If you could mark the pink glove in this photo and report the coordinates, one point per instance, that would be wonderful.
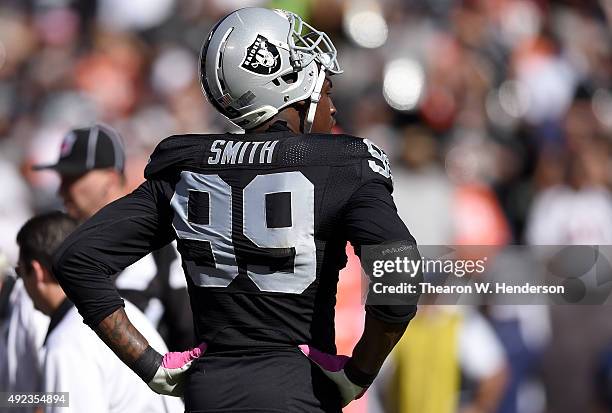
(170, 375)
(333, 367)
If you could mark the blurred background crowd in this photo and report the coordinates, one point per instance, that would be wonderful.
(496, 114)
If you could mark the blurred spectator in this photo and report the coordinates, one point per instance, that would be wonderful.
(449, 360)
(574, 207)
(22, 332)
(524, 332)
(91, 167)
(423, 192)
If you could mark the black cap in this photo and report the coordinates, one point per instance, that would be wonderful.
(85, 149)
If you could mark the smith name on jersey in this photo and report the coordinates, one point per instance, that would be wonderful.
(233, 152)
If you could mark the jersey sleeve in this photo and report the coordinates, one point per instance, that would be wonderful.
(371, 221)
(178, 308)
(116, 237)
(370, 215)
(371, 218)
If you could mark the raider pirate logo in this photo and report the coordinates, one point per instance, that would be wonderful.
(262, 57)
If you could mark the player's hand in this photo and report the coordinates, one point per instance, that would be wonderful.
(170, 376)
(333, 367)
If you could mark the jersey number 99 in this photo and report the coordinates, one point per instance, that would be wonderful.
(216, 228)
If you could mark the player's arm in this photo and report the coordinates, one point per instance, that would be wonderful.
(377, 341)
(355, 374)
(116, 237)
(126, 341)
(370, 220)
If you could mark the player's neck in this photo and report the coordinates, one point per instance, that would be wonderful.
(289, 116)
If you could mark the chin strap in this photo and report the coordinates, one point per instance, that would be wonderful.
(314, 100)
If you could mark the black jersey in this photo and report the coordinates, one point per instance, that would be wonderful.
(261, 222)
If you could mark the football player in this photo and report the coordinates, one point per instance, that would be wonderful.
(261, 220)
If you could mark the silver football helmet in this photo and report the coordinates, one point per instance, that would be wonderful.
(257, 61)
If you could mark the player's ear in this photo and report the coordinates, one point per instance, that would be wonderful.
(301, 110)
(301, 105)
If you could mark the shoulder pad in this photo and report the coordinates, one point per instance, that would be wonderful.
(326, 149)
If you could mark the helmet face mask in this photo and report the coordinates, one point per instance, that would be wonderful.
(310, 42)
(256, 62)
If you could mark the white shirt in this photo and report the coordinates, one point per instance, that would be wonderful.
(480, 352)
(20, 358)
(77, 361)
(563, 216)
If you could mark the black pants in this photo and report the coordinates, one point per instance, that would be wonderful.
(271, 381)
